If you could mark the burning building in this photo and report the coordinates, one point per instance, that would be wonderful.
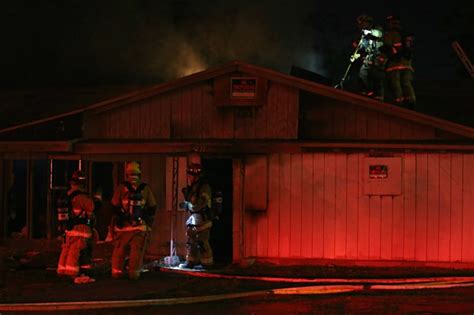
(308, 172)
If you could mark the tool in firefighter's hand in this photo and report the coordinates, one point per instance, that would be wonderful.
(355, 55)
(186, 205)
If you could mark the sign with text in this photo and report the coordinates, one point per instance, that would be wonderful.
(383, 176)
(378, 171)
(243, 87)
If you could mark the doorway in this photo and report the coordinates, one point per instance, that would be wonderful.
(219, 174)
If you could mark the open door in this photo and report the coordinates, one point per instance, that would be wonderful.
(219, 174)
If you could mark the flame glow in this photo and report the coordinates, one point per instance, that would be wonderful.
(188, 61)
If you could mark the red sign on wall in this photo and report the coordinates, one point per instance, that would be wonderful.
(243, 87)
(378, 171)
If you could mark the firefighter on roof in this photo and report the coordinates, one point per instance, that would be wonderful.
(399, 69)
(197, 196)
(368, 53)
(75, 218)
(134, 208)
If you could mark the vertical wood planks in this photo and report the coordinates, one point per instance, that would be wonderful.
(273, 212)
(364, 214)
(292, 120)
(421, 206)
(456, 206)
(295, 205)
(329, 205)
(318, 205)
(352, 205)
(285, 200)
(409, 177)
(433, 207)
(398, 227)
(444, 201)
(341, 206)
(375, 205)
(307, 220)
(317, 209)
(468, 208)
(386, 228)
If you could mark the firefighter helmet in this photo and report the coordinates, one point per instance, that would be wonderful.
(78, 177)
(194, 169)
(393, 21)
(133, 168)
(364, 19)
(194, 164)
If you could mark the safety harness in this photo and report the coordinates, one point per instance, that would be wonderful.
(67, 219)
(134, 213)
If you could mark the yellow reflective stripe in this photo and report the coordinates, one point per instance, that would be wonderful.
(400, 67)
(75, 233)
(130, 228)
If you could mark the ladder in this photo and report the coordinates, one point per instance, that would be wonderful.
(464, 58)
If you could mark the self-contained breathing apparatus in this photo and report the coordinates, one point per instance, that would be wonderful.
(211, 212)
(367, 48)
(67, 219)
(134, 212)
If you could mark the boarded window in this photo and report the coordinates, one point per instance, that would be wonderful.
(256, 183)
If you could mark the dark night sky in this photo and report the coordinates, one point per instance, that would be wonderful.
(91, 42)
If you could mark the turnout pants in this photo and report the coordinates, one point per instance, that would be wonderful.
(135, 242)
(75, 242)
(198, 249)
(401, 85)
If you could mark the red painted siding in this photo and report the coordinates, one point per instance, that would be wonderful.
(317, 209)
(328, 119)
(190, 113)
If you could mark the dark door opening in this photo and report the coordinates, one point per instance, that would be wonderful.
(102, 183)
(219, 174)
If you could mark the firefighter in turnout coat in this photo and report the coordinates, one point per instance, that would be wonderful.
(75, 217)
(197, 202)
(399, 69)
(134, 208)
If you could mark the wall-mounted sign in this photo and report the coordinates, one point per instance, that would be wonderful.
(243, 87)
(383, 176)
(379, 171)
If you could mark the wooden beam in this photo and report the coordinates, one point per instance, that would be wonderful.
(35, 146)
(253, 147)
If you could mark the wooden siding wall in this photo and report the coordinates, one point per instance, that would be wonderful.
(317, 209)
(326, 119)
(189, 113)
(165, 216)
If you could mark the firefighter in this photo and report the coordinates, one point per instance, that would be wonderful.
(197, 196)
(134, 207)
(75, 217)
(399, 69)
(368, 53)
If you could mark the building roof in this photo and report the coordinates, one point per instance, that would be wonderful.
(239, 66)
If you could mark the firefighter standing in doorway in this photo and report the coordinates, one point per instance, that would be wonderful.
(197, 196)
(134, 207)
(399, 69)
(75, 217)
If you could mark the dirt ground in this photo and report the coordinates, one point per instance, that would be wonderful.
(29, 276)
